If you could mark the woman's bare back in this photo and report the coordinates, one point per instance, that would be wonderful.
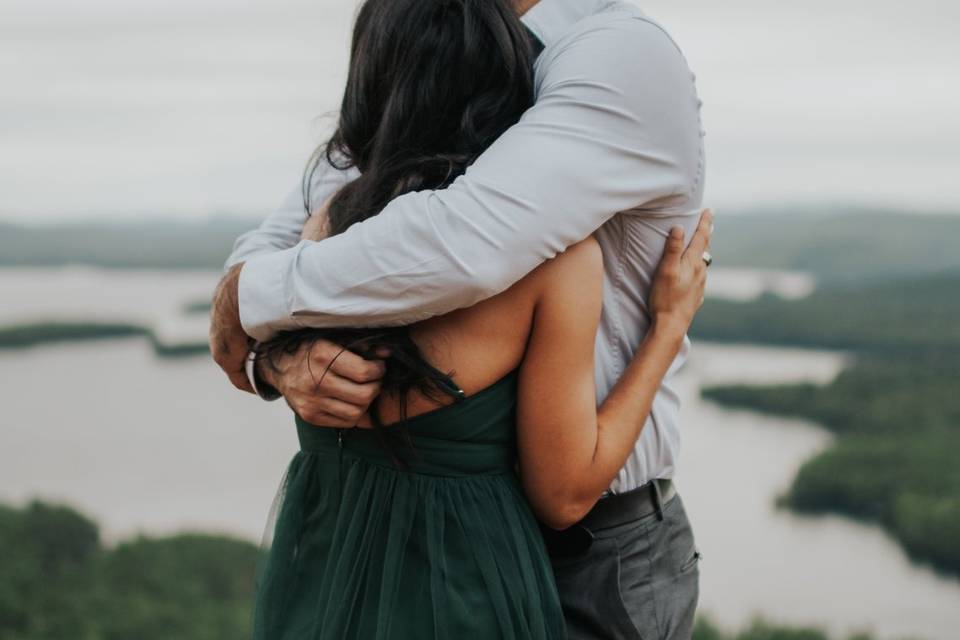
(481, 344)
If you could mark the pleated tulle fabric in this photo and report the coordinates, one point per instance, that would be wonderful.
(445, 548)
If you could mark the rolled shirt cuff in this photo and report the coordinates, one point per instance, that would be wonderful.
(263, 294)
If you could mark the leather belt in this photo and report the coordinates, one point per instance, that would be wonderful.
(622, 508)
(610, 511)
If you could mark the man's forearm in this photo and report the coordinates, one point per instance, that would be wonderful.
(229, 344)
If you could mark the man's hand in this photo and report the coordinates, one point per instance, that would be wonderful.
(229, 345)
(325, 384)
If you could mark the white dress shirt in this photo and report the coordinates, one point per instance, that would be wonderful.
(613, 145)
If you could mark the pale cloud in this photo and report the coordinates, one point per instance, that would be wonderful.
(203, 106)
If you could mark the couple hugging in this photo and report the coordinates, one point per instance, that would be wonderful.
(474, 303)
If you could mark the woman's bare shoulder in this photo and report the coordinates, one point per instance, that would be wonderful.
(492, 335)
(577, 272)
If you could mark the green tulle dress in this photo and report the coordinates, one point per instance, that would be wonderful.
(446, 548)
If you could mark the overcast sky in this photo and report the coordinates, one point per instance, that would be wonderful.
(195, 107)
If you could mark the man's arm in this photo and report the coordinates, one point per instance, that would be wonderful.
(615, 127)
(229, 345)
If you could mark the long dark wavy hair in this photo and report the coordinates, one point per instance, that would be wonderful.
(432, 83)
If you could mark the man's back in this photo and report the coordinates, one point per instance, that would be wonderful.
(632, 241)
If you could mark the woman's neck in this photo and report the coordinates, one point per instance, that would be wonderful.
(522, 6)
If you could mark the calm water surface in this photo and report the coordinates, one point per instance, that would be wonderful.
(829, 571)
(151, 445)
(160, 445)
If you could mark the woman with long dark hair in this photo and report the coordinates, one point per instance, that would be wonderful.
(420, 525)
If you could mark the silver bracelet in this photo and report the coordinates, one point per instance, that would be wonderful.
(264, 391)
(248, 366)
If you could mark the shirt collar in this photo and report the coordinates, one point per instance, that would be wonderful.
(550, 19)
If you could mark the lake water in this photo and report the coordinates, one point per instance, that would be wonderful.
(156, 299)
(151, 445)
(831, 571)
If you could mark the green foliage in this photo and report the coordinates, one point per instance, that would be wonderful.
(30, 335)
(910, 483)
(897, 318)
(895, 462)
(876, 395)
(760, 630)
(50, 552)
(61, 583)
(704, 629)
(896, 410)
(182, 350)
(33, 335)
(764, 631)
(187, 586)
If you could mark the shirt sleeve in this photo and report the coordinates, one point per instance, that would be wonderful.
(615, 127)
(281, 229)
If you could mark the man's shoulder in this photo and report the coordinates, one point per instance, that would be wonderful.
(618, 45)
(614, 25)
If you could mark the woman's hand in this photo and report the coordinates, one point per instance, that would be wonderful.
(317, 227)
(679, 285)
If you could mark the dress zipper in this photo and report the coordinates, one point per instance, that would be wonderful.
(340, 462)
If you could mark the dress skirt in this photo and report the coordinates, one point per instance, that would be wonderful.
(422, 535)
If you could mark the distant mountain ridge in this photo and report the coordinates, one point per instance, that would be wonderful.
(151, 243)
(839, 248)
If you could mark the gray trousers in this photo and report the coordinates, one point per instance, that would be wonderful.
(637, 581)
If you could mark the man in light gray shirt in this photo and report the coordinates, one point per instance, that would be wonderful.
(612, 147)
